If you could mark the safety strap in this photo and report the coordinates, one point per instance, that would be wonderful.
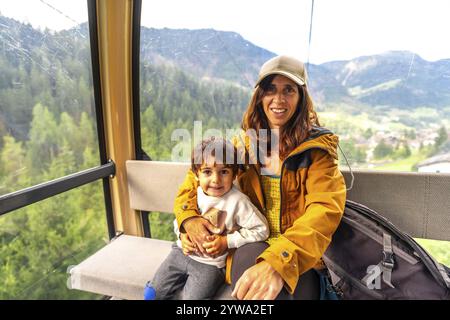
(387, 265)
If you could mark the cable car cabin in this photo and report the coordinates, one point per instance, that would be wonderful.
(135, 186)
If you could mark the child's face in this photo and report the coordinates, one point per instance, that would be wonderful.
(215, 179)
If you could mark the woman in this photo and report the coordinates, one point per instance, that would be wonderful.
(303, 196)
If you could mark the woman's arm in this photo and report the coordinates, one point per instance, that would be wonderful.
(185, 205)
(300, 247)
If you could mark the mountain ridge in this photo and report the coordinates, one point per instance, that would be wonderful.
(400, 79)
(394, 78)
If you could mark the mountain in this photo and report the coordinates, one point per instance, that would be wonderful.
(217, 55)
(395, 78)
(205, 53)
(399, 79)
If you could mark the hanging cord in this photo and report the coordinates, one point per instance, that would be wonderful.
(233, 60)
(77, 24)
(310, 33)
(307, 67)
(410, 67)
(351, 172)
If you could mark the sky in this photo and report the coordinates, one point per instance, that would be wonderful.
(341, 29)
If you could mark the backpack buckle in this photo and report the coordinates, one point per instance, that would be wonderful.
(388, 260)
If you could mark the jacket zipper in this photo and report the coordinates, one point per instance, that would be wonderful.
(258, 174)
(281, 177)
(282, 166)
(281, 173)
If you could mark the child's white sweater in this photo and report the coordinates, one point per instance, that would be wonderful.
(244, 223)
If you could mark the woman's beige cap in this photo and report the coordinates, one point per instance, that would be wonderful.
(287, 66)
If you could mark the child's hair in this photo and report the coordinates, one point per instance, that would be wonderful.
(223, 152)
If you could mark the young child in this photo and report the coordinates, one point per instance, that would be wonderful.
(225, 207)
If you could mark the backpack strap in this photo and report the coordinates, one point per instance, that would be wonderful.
(388, 262)
(444, 274)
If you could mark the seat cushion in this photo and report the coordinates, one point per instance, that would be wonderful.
(122, 268)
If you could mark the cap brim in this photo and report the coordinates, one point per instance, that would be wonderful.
(291, 76)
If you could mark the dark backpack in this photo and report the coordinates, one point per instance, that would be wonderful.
(370, 258)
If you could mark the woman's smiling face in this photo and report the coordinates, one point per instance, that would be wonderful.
(280, 101)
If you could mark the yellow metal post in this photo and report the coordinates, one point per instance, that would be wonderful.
(114, 18)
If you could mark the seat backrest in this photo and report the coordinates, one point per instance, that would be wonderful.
(417, 203)
(153, 185)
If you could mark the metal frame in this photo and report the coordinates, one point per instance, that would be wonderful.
(27, 196)
(15, 200)
(136, 39)
(93, 34)
(140, 153)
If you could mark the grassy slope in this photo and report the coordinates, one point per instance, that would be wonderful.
(440, 250)
(402, 164)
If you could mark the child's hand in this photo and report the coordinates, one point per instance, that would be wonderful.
(216, 245)
(187, 246)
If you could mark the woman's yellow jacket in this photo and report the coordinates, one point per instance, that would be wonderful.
(313, 197)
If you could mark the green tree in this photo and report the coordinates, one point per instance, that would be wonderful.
(12, 164)
(43, 144)
(368, 133)
(441, 138)
(382, 150)
(150, 132)
(410, 134)
(402, 151)
(71, 137)
(87, 130)
(439, 142)
(353, 153)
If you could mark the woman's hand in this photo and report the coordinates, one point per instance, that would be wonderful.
(186, 245)
(259, 282)
(216, 245)
(198, 228)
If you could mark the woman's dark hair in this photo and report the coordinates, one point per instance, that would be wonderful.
(296, 130)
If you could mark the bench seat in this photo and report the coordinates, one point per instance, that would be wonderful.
(122, 268)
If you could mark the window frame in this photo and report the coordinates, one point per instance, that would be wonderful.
(24, 197)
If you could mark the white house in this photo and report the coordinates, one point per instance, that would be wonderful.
(439, 163)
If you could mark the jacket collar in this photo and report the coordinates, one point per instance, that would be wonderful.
(320, 138)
